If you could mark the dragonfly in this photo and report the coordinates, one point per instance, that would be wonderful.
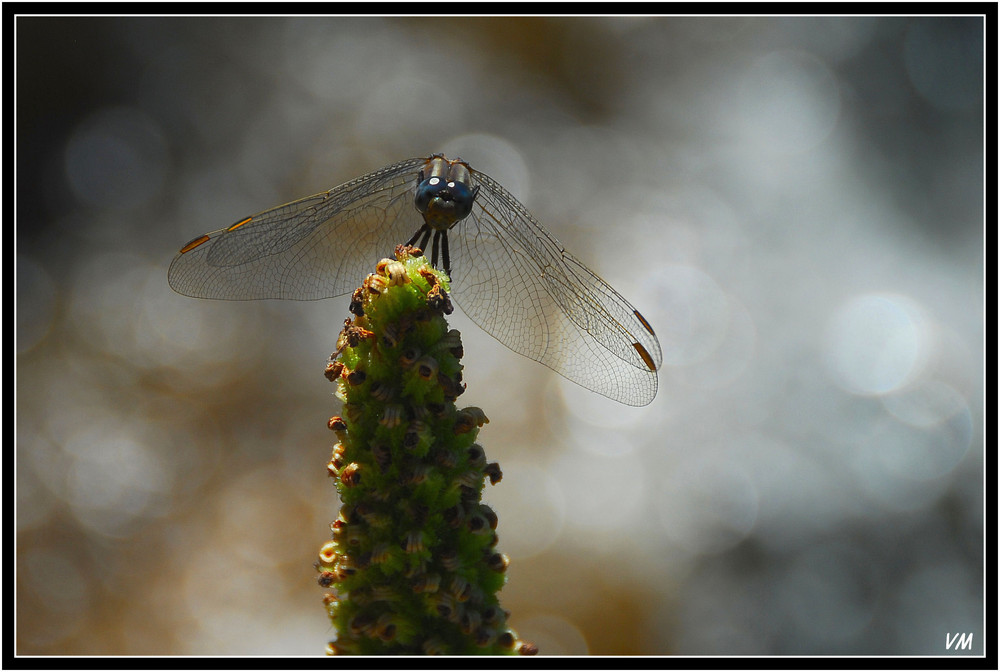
(508, 274)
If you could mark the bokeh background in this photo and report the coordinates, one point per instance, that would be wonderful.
(795, 204)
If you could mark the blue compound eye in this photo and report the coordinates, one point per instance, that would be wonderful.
(463, 197)
(426, 191)
(443, 202)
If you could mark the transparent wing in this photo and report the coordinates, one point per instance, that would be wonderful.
(314, 248)
(513, 279)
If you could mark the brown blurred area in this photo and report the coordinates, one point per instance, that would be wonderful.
(794, 203)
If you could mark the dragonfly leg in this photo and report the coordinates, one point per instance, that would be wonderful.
(445, 258)
(434, 249)
(426, 237)
(426, 230)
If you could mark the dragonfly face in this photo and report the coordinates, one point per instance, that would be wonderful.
(444, 198)
(508, 274)
(443, 195)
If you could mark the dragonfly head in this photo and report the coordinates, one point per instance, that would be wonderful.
(443, 195)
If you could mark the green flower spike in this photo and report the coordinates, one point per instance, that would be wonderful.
(413, 561)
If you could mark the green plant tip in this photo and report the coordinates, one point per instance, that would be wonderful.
(412, 566)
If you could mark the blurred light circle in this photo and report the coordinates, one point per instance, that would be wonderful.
(175, 329)
(876, 343)
(605, 494)
(730, 359)
(887, 466)
(121, 304)
(115, 479)
(926, 403)
(103, 300)
(116, 158)
(789, 101)
(839, 577)
(324, 57)
(691, 223)
(64, 590)
(220, 618)
(36, 297)
(606, 439)
(397, 111)
(695, 314)
(590, 411)
(531, 508)
(893, 493)
(921, 453)
(553, 635)
(495, 156)
(835, 38)
(707, 505)
(797, 494)
(35, 502)
(944, 60)
(938, 595)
